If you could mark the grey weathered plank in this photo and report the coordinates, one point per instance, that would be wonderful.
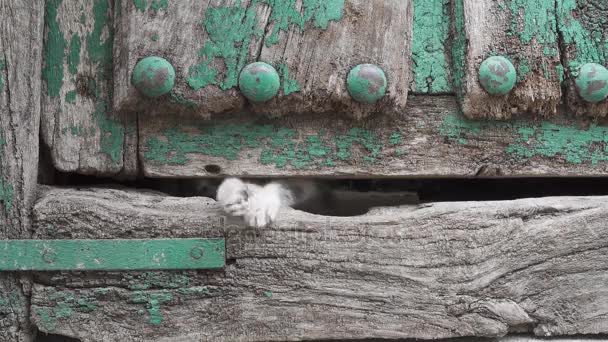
(583, 28)
(377, 32)
(429, 271)
(21, 31)
(175, 30)
(429, 139)
(523, 31)
(312, 47)
(78, 124)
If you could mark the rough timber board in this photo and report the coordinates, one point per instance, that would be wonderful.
(78, 124)
(316, 63)
(313, 44)
(584, 30)
(429, 271)
(111, 255)
(429, 139)
(21, 32)
(177, 31)
(522, 30)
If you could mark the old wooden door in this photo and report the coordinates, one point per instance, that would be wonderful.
(349, 88)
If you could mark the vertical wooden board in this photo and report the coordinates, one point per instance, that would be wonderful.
(431, 66)
(78, 124)
(21, 32)
(314, 64)
(207, 43)
(523, 31)
(584, 30)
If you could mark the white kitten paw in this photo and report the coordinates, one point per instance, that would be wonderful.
(233, 196)
(264, 208)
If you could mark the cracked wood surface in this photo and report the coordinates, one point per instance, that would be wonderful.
(78, 125)
(523, 31)
(427, 271)
(209, 42)
(21, 32)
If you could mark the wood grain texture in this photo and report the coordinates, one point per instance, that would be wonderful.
(428, 271)
(21, 32)
(583, 28)
(177, 32)
(523, 31)
(429, 139)
(78, 124)
(313, 45)
(377, 32)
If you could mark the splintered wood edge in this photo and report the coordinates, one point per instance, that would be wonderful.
(429, 271)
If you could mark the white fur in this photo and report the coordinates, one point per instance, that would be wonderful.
(259, 206)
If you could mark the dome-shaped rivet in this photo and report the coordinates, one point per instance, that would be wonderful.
(259, 82)
(153, 76)
(497, 75)
(366, 83)
(592, 82)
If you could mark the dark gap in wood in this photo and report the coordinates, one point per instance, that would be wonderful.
(427, 189)
(42, 337)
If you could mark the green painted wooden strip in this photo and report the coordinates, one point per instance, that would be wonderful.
(111, 255)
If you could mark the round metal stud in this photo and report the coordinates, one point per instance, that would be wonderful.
(259, 82)
(497, 75)
(592, 82)
(366, 83)
(197, 253)
(153, 76)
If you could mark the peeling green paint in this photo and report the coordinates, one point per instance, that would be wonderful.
(583, 30)
(70, 96)
(155, 5)
(523, 69)
(140, 4)
(155, 37)
(533, 20)
(431, 31)
(289, 85)
(395, 139)
(536, 139)
(268, 294)
(63, 305)
(54, 50)
(284, 15)
(231, 31)
(152, 300)
(74, 55)
(279, 146)
(112, 132)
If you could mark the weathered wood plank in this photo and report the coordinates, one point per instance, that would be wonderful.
(525, 32)
(207, 42)
(429, 271)
(21, 32)
(111, 255)
(78, 124)
(316, 64)
(313, 45)
(429, 139)
(584, 30)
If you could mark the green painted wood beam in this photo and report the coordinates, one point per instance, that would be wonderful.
(111, 255)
